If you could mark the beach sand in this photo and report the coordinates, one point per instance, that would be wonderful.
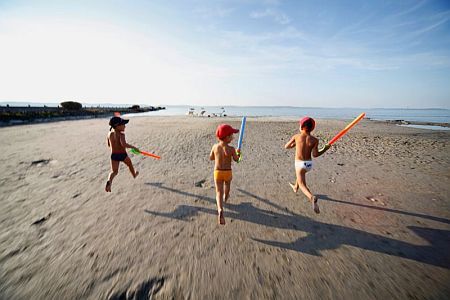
(383, 231)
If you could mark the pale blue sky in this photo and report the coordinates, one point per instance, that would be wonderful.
(249, 52)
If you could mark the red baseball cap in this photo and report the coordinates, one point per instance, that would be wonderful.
(306, 119)
(225, 130)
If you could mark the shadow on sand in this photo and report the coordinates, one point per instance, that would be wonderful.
(323, 236)
(406, 213)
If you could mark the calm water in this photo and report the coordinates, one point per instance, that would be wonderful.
(420, 115)
(427, 127)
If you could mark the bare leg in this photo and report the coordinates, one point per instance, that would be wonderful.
(301, 182)
(128, 162)
(219, 198)
(294, 186)
(227, 190)
(301, 173)
(112, 174)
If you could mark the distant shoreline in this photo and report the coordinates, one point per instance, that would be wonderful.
(403, 122)
(18, 115)
(39, 115)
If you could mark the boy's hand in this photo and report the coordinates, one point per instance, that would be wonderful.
(237, 156)
(137, 150)
(325, 148)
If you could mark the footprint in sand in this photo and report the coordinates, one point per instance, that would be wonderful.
(200, 183)
(43, 162)
(41, 220)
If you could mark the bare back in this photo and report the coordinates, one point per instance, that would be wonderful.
(114, 140)
(304, 145)
(222, 156)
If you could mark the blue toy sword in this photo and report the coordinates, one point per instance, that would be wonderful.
(241, 136)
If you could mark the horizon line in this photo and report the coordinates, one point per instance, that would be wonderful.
(198, 105)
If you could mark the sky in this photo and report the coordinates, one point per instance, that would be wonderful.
(337, 53)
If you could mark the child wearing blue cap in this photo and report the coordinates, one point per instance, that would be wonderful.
(116, 141)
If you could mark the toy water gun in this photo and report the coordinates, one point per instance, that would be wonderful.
(134, 151)
(241, 136)
(345, 130)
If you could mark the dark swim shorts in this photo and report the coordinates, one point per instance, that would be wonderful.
(118, 156)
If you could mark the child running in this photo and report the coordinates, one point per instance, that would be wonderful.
(305, 145)
(116, 141)
(222, 153)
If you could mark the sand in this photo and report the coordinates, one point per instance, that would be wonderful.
(383, 231)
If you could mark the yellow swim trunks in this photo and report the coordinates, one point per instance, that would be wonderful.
(225, 175)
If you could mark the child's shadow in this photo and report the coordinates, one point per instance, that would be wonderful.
(321, 236)
(391, 210)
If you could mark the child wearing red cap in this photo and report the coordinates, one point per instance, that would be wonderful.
(222, 153)
(305, 145)
(116, 141)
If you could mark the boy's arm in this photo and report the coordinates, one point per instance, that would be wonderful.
(316, 152)
(211, 154)
(235, 154)
(125, 144)
(290, 144)
(107, 142)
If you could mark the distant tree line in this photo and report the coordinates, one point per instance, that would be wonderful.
(71, 105)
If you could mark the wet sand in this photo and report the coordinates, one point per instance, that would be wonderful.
(383, 231)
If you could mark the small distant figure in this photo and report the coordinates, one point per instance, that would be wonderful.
(190, 112)
(116, 141)
(305, 145)
(222, 153)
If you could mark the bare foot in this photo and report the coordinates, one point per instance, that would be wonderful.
(136, 174)
(294, 188)
(108, 186)
(221, 219)
(315, 205)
